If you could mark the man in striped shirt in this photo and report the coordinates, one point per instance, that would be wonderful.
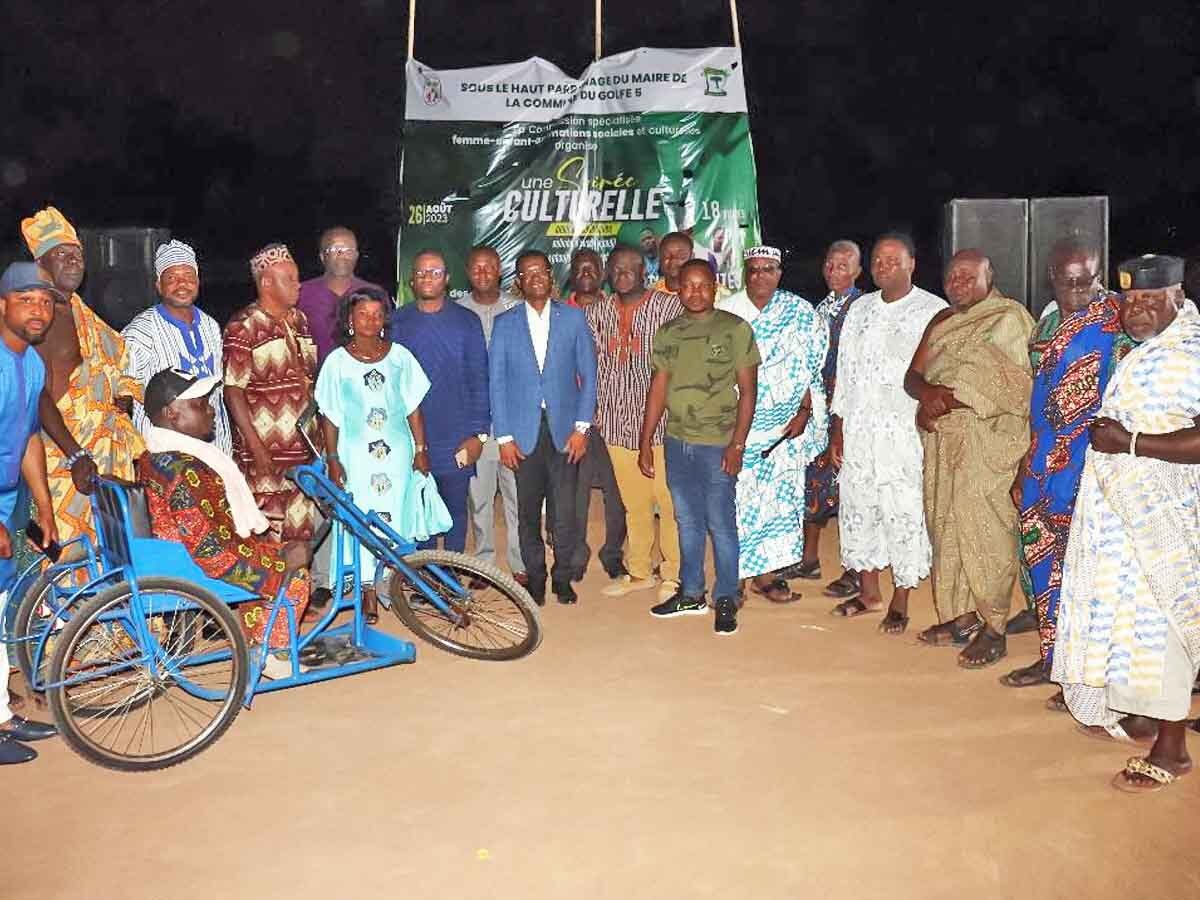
(176, 334)
(624, 325)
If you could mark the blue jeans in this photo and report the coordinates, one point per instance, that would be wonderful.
(704, 499)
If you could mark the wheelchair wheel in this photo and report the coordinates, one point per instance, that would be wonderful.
(495, 621)
(137, 706)
(33, 616)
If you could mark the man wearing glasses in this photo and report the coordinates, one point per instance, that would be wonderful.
(447, 340)
(319, 297)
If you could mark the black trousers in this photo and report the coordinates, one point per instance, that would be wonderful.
(545, 473)
(596, 471)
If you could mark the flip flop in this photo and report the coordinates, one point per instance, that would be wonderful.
(1137, 765)
(955, 637)
(893, 618)
(997, 650)
(773, 589)
(809, 570)
(846, 586)
(1016, 678)
(852, 608)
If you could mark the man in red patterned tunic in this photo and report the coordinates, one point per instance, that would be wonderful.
(197, 497)
(270, 368)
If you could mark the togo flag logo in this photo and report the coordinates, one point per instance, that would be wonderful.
(714, 82)
(431, 91)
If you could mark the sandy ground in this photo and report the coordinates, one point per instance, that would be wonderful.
(805, 756)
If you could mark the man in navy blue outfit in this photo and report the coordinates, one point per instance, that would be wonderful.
(542, 377)
(447, 341)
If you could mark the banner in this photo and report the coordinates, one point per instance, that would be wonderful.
(523, 156)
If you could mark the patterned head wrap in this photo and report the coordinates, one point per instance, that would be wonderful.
(267, 257)
(45, 230)
(762, 252)
(175, 253)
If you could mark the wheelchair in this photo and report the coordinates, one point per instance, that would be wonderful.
(144, 663)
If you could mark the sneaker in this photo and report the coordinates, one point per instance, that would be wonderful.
(668, 590)
(726, 620)
(627, 584)
(679, 605)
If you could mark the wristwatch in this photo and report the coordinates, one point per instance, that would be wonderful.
(420, 448)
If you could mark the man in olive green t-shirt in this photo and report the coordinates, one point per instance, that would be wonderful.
(705, 366)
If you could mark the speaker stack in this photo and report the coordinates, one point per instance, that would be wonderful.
(1019, 235)
(120, 271)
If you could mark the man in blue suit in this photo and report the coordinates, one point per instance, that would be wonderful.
(542, 380)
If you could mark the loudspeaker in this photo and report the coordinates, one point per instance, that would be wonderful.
(1053, 219)
(120, 271)
(997, 228)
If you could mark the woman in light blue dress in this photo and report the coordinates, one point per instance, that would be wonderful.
(369, 391)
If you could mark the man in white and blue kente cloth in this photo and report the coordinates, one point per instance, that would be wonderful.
(176, 334)
(791, 421)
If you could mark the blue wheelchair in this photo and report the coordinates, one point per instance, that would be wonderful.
(144, 663)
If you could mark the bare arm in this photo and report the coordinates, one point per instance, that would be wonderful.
(747, 379)
(83, 473)
(33, 469)
(416, 422)
(656, 405)
(1182, 446)
(333, 465)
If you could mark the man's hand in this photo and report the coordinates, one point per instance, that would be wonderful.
(421, 462)
(5, 543)
(337, 474)
(297, 555)
(1109, 436)
(474, 447)
(646, 460)
(84, 474)
(937, 400)
(577, 445)
(264, 466)
(125, 405)
(511, 455)
(835, 449)
(925, 421)
(796, 425)
(1015, 492)
(731, 460)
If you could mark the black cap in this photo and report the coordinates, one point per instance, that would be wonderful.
(170, 385)
(1150, 272)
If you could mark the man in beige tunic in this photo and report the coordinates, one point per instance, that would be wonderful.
(972, 379)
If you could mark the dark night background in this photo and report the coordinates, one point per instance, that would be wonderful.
(237, 124)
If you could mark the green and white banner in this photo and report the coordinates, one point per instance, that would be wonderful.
(523, 156)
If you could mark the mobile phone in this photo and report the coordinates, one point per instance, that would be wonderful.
(33, 531)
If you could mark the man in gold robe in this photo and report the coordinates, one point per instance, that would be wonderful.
(972, 379)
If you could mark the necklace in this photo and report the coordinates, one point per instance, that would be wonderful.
(363, 356)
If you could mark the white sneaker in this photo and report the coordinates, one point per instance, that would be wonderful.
(277, 667)
(668, 590)
(627, 584)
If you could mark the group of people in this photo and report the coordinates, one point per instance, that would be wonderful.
(960, 440)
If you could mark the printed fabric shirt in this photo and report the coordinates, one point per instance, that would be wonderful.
(703, 356)
(624, 337)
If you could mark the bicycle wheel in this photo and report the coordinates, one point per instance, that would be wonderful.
(115, 709)
(494, 622)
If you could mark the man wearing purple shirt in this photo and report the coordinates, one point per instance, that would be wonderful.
(319, 296)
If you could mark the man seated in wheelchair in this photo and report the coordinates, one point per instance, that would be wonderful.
(198, 497)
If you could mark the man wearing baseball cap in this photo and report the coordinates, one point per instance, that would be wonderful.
(27, 298)
(198, 497)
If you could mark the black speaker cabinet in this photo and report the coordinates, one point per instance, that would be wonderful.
(1054, 219)
(120, 271)
(997, 228)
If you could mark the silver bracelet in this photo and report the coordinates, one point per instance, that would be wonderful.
(1133, 443)
(81, 453)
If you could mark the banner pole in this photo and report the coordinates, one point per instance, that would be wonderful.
(599, 19)
(733, 15)
(412, 26)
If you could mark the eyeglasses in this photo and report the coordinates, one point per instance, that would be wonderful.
(429, 273)
(338, 250)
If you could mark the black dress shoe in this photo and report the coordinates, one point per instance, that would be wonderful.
(566, 593)
(13, 752)
(19, 729)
